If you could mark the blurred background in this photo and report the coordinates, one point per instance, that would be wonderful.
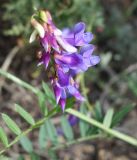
(112, 83)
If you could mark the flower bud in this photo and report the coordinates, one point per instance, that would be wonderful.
(38, 27)
(43, 16)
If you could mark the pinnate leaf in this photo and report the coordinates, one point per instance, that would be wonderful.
(84, 126)
(43, 136)
(118, 116)
(24, 114)
(51, 131)
(108, 118)
(26, 144)
(11, 124)
(67, 129)
(3, 137)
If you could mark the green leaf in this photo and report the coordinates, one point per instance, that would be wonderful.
(11, 124)
(26, 144)
(42, 103)
(5, 158)
(119, 115)
(3, 137)
(67, 129)
(98, 112)
(70, 102)
(43, 136)
(93, 130)
(82, 124)
(51, 131)
(34, 156)
(24, 114)
(132, 85)
(47, 90)
(21, 158)
(52, 155)
(108, 118)
(49, 93)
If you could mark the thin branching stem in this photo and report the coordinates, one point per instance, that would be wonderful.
(99, 125)
(84, 91)
(79, 140)
(19, 81)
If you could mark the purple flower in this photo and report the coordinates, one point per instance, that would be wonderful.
(74, 91)
(73, 60)
(77, 62)
(89, 59)
(63, 78)
(49, 41)
(72, 120)
(77, 36)
(68, 51)
(44, 59)
(65, 45)
(62, 91)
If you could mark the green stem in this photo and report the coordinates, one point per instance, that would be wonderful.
(84, 91)
(110, 131)
(19, 81)
(79, 140)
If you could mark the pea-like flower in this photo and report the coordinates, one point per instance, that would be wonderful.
(77, 36)
(68, 51)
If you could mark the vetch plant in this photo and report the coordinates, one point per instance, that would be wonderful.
(66, 53)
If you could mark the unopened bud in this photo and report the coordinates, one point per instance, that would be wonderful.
(43, 16)
(38, 27)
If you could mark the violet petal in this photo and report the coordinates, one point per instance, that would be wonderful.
(94, 60)
(45, 43)
(88, 37)
(57, 92)
(71, 59)
(46, 59)
(72, 90)
(65, 45)
(53, 43)
(62, 103)
(63, 78)
(79, 28)
(73, 120)
(87, 50)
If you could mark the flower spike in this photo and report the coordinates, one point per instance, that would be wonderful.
(65, 53)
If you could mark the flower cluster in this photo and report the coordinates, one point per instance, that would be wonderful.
(68, 50)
